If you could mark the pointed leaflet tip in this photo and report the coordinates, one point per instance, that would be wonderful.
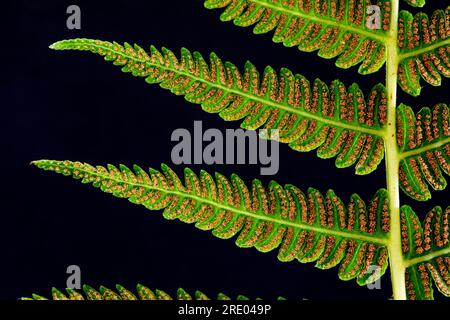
(56, 45)
(37, 163)
(86, 288)
(139, 286)
(69, 43)
(65, 44)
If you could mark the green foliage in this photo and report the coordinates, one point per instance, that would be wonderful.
(337, 121)
(143, 293)
(415, 3)
(335, 28)
(305, 227)
(426, 249)
(424, 140)
(424, 49)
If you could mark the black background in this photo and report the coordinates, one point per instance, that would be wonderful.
(72, 105)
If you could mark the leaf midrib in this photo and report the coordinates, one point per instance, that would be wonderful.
(428, 147)
(374, 132)
(421, 50)
(326, 231)
(427, 257)
(323, 20)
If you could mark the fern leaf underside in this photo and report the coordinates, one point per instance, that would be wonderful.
(424, 140)
(334, 28)
(424, 44)
(426, 247)
(337, 29)
(305, 227)
(337, 121)
(121, 293)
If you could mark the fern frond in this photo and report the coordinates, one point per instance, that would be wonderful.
(424, 140)
(424, 49)
(415, 3)
(335, 28)
(306, 227)
(426, 249)
(337, 121)
(142, 293)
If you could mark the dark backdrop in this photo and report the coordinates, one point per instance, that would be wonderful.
(75, 106)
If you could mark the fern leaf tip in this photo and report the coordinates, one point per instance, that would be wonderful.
(39, 163)
(38, 297)
(61, 45)
(139, 286)
(87, 287)
(55, 45)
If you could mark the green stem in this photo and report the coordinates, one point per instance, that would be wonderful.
(397, 266)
